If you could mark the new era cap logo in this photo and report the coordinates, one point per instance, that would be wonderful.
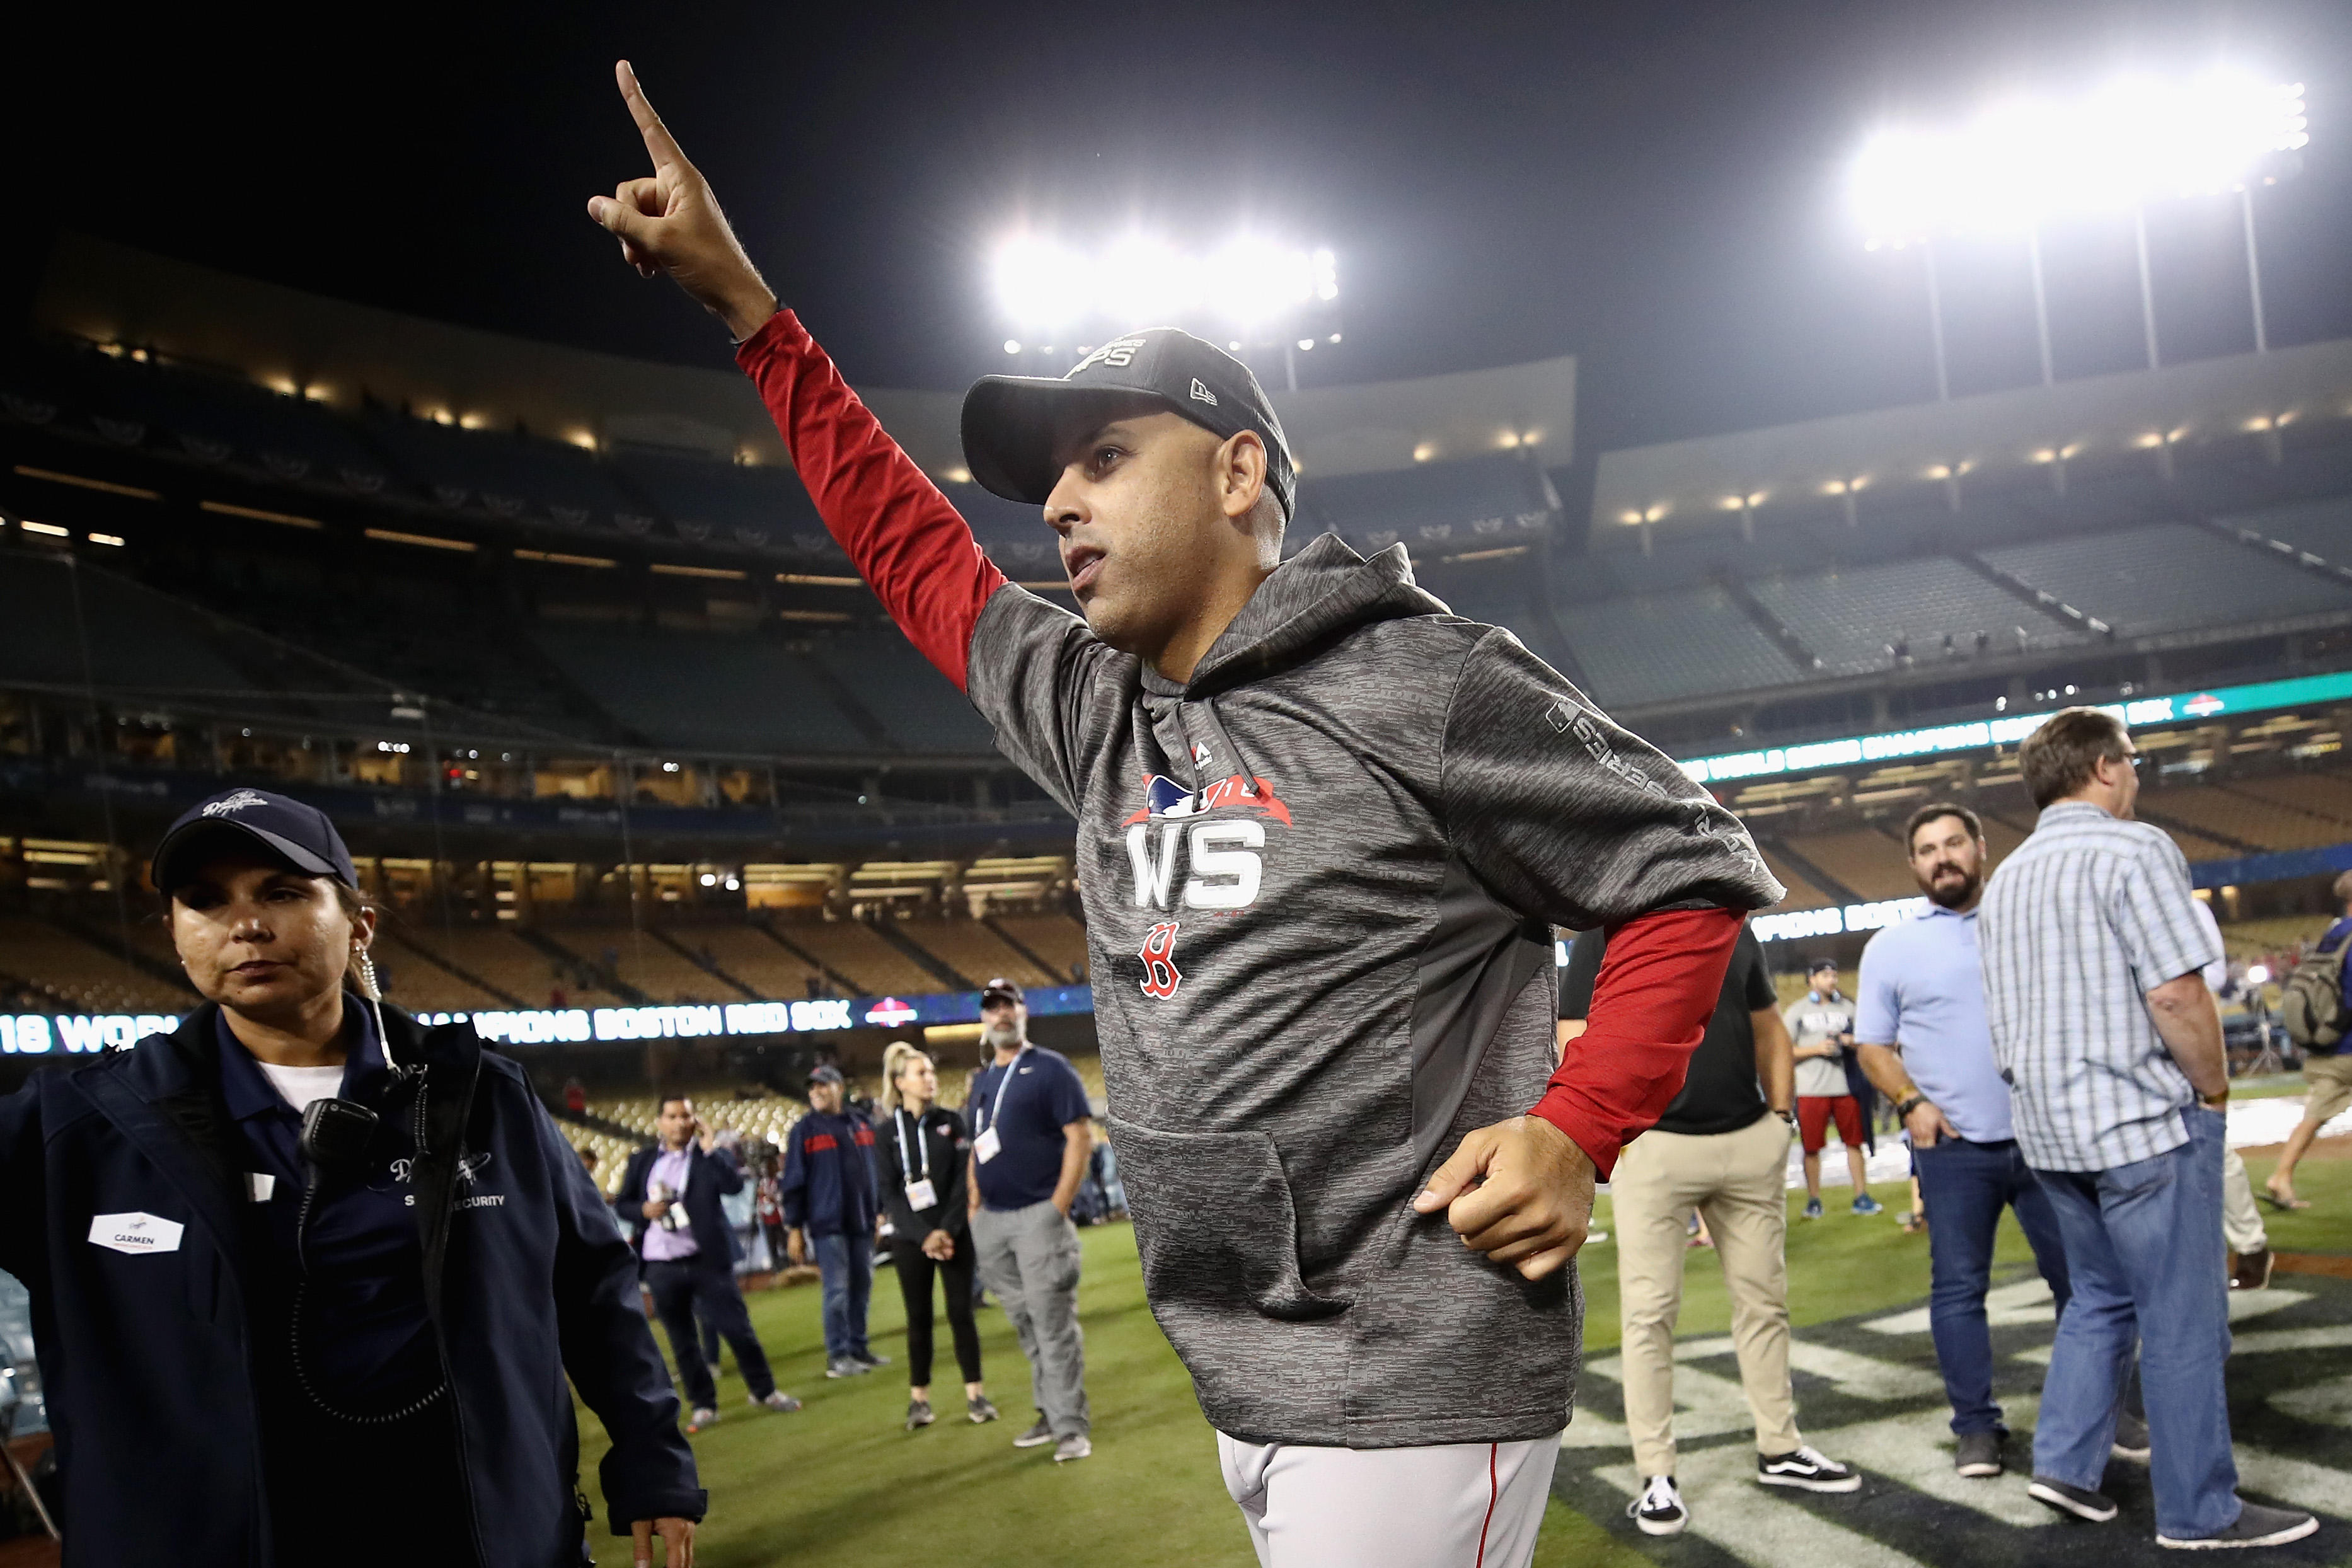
(1201, 394)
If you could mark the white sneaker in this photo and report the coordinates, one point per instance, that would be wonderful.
(1659, 1510)
(1077, 1445)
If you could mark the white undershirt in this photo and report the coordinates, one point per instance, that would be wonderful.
(301, 1085)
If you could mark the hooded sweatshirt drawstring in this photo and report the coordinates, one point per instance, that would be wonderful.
(1207, 707)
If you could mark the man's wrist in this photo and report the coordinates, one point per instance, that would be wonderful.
(1907, 1103)
(747, 308)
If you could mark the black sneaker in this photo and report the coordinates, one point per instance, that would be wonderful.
(918, 1413)
(1807, 1468)
(2079, 1501)
(2256, 1526)
(2131, 1437)
(1037, 1436)
(1979, 1454)
(981, 1408)
(1659, 1510)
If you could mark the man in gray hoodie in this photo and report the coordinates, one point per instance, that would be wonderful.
(1324, 828)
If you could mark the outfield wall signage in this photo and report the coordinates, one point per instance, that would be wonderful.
(1982, 734)
(41, 1034)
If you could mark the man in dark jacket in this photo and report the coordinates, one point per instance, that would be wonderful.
(827, 1190)
(672, 1189)
(1325, 828)
(127, 1219)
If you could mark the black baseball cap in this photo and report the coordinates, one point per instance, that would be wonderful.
(1009, 420)
(1000, 990)
(1820, 963)
(826, 1073)
(299, 837)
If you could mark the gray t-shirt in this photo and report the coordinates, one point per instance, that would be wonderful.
(1811, 1019)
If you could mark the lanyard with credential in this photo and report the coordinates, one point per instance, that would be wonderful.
(996, 1107)
(907, 1167)
(985, 1146)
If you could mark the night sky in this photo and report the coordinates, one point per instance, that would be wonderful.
(1656, 187)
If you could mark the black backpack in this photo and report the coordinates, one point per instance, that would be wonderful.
(2311, 1006)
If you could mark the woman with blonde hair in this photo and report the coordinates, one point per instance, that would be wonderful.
(923, 1166)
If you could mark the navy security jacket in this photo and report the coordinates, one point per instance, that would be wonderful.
(828, 1179)
(146, 1355)
(708, 1177)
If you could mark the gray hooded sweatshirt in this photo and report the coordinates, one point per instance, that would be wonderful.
(1320, 881)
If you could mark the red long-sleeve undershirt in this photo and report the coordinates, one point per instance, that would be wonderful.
(906, 539)
(1658, 984)
(1659, 981)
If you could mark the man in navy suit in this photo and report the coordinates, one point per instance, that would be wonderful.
(674, 1189)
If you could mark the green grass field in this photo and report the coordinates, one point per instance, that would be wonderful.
(842, 1480)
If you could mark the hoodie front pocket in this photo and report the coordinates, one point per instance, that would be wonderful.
(1216, 1225)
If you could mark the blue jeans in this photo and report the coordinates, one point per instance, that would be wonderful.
(2145, 1252)
(845, 1264)
(1965, 1186)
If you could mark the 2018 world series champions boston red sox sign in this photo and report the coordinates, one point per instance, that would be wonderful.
(40, 1033)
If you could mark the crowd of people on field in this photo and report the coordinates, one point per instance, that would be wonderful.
(980, 1201)
(2048, 1038)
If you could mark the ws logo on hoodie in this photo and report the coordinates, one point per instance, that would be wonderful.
(1223, 865)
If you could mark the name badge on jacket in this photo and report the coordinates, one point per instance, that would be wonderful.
(921, 1195)
(135, 1233)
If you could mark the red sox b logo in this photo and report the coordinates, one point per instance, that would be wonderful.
(1159, 973)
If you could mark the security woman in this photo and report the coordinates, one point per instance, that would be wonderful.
(923, 1155)
(308, 1278)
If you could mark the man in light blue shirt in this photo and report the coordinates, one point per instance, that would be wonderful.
(1921, 1033)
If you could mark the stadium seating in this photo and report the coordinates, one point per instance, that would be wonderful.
(136, 640)
(215, 421)
(2328, 796)
(1057, 939)
(973, 950)
(1802, 893)
(749, 955)
(1851, 619)
(1450, 505)
(2324, 528)
(1868, 861)
(707, 500)
(1675, 645)
(916, 705)
(509, 476)
(720, 693)
(643, 961)
(853, 951)
(2253, 822)
(2167, 577)
(506, 961)
(81, 974)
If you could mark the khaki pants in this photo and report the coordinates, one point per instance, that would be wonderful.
(2241, 1222)
(1738, 1181)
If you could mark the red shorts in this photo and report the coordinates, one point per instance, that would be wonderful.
(1814, 1114)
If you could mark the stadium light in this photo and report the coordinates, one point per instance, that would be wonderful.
(2019, 164)
(1042, 287)
(2115, 150)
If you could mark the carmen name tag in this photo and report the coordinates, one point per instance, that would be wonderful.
(135, 1233)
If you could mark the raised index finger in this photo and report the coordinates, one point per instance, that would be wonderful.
(659, 142)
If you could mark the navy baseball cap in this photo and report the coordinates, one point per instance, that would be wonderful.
(1000, 990)
(1009, 421)
(298, 837)
(1820, 963)
(826, 1073)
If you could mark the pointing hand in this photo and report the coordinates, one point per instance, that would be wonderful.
(670, 222)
